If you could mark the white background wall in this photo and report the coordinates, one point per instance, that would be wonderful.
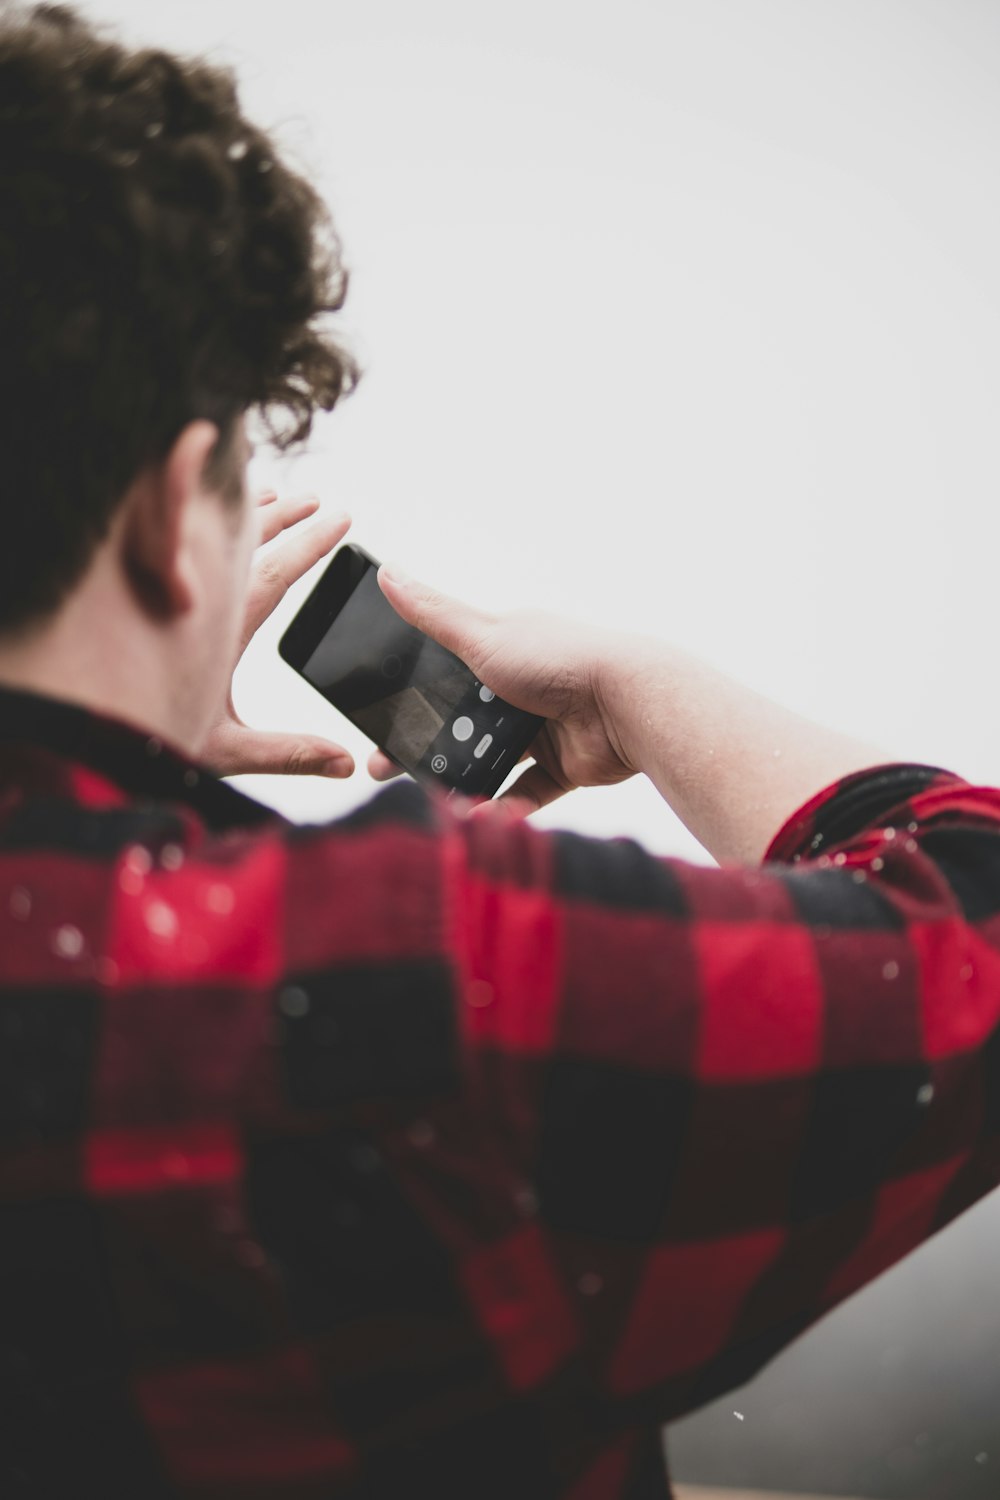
(684, 313)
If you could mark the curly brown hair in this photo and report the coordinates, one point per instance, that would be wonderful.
(158, 263)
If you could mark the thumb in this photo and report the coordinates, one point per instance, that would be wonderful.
(239, 750)
(456, 626)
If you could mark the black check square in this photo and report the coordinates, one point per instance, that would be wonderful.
(834, 899)
(969, 859)
(369, 1031)
(609, 1149)
(618, 873)
(859, 1125)
(47, 1046)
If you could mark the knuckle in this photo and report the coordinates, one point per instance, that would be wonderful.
(269, 572)
(299, 760)
(562, 691)
(428, 602)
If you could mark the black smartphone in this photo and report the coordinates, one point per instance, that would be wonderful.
(421, 705)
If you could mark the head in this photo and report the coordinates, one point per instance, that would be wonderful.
(165, 276)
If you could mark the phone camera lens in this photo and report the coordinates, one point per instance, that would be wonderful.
(391, 666)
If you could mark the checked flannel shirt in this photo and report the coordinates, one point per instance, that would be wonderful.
(416, 1155)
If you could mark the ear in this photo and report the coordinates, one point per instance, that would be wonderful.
(155, 537)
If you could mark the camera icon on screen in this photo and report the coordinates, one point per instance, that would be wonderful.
(439, 764)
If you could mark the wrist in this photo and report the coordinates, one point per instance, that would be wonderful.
(630, 683)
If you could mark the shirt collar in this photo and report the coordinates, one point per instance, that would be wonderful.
(130, 758)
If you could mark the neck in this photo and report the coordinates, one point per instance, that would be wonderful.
(99, 650)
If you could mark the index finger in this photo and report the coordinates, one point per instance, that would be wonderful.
(274, 573)
(275, 516)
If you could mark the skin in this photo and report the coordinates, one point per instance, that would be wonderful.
(733, 765)
(168, 605)
(175, 592)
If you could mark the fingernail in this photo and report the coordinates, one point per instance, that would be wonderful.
(337, 765)
(397, 576)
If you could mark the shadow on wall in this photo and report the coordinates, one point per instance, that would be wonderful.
(895, 1396)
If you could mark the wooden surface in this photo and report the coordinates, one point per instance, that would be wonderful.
(695, 1492)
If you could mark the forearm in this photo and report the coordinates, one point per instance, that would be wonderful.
(732, 765)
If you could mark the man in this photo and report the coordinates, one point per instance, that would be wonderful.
(421, 1153)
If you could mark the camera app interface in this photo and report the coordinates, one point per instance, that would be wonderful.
(412, 697)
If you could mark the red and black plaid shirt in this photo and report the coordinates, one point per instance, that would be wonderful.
(416, 1155)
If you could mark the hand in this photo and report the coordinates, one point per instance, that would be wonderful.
(232, 747)
(538, 663)
(731, 764)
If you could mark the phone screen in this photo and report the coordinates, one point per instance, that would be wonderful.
(417, 701)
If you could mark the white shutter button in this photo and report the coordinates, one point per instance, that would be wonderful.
(462, 728)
